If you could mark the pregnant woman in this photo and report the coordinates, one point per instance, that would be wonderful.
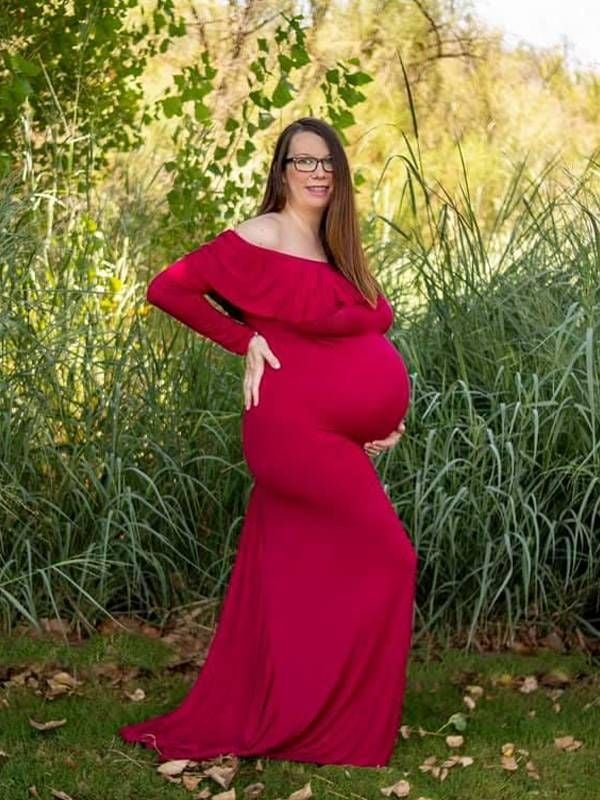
(308, 660)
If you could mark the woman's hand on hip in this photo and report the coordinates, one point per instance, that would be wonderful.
(378, 445)
(258, 352)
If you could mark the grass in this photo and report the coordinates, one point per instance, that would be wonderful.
(85, 758)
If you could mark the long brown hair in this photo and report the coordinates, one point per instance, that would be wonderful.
(339, 230)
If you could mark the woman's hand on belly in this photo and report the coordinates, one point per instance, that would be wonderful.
(378, 445)
(258, 352)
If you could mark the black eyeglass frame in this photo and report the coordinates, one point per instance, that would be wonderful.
(316, 160)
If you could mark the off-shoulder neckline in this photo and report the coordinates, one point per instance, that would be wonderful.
(278, 252)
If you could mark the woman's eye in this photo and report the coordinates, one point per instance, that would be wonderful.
(306, 161)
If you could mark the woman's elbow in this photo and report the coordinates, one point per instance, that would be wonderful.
(153, 290)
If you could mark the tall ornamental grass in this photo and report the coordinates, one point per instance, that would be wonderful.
(123, 483)
(498, 476)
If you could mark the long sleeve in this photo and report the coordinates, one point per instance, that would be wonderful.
(179, 290)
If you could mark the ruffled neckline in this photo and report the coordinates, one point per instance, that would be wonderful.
(307, 293)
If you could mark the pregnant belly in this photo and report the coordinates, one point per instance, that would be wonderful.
(364, 392)
(356, 386)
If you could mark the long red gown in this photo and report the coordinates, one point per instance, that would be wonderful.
(308, 660)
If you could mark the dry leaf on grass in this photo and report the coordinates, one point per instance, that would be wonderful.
(303, 793)
(191, 782)
(223, 775)
(506, 680)
(530, 684)
(400, 789)
(568, 743)
(173, 768)
(229, 795)
(56, 793)
(137, 695)
(61, 683)
(441, 770)
(455, 741)
(532, 771)
(509, 763)
(469, 702)
(50, 725)
(253, 790)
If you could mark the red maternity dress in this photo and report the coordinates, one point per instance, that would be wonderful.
(309, 656)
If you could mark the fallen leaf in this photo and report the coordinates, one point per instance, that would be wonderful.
(191, 782)
(173, 768)
(476, 691)
(135, 696)
(405, 731)
(61, 683)
(300, 794)
(222, 775)
(230, 795)
(253, 790)
(532, 771)
(530, 684)
(50, 725)
(508, 749)
(567, 743)
(509, 763)
(455, 741)
(60, 795)
(469, 702)
(400, 789)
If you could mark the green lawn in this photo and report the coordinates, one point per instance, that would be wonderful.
(86, 760)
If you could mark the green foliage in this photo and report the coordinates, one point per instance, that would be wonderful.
(73, 77)
(217, 175)
(71, 70)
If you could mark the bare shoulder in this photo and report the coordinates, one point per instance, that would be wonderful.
(262, 230)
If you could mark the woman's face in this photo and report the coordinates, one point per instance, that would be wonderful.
(308, 189)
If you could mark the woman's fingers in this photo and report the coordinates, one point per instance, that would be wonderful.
(259, 352)
(256, 378)
(272, 359)
(378, 445)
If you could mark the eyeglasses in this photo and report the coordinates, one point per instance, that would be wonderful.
(309, 163)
